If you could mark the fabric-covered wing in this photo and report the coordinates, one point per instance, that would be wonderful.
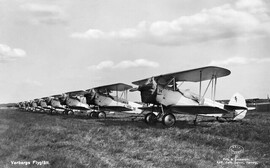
(115, 108)
(154, 109)
(113, 87)
(193, 75)
(76, 93)
(79, 107)
(57, 96)
(185, 109)
(197, 110)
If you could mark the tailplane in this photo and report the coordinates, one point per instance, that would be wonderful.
(238, 100)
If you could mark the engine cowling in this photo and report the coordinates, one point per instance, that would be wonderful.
(149, 91)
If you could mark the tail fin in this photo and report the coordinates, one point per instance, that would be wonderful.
(238, 100)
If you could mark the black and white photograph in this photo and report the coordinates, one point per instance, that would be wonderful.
(134, 83)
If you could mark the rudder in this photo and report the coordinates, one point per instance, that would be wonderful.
(238, 100)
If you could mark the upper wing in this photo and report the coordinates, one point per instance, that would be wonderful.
(193, 75)
(113, 87)
(76, 93)
(57, 96)
(186, 109)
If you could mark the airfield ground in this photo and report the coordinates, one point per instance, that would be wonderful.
(66, 141)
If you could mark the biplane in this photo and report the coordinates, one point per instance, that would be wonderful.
(164, 96)
(27, 105)
(41, 105)
(53, 104)
(21, 105)
(32, 105)
(74, 101)
(103, 100)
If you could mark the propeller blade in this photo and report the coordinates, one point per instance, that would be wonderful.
(133, 89)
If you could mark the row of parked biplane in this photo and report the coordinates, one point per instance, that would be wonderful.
(161, 97)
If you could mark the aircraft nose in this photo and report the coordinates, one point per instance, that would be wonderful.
(134, 89)
(148, 92)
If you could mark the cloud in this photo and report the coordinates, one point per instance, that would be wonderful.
(45, 14)
(239, 61)
(10, 54)
(124, 64)
(241, 19)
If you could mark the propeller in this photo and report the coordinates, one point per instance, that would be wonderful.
(134, 89)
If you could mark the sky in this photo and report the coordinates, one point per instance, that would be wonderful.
(50, 47)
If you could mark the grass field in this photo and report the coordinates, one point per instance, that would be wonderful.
(66, 141)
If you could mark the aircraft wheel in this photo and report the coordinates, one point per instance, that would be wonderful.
(168, 120)
(50, 112)
(101, 115)
(89, 115)
(150, 118)
(70, 112)
(93, 115)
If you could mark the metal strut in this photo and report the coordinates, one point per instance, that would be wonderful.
(194, 122)
(200, 89)
(161, 113)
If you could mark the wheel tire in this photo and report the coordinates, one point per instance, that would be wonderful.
(150, 119)
(93, 114)
(50, 112)
(66, 112)
(168, 120)
(70, 112)
(101, 115)
(90, 115)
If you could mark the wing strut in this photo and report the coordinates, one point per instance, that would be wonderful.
(215, 87)
(117, 94)
(208, 87)
(200, 89)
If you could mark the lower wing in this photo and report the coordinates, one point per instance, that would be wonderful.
(115, 108)
(186, 109)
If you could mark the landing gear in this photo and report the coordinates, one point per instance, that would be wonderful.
(50, 112)
(150, 118)
(66, 112)
(168, 120)
(195, 120)
(70, 112)
(88, 115)
(93, 114)
(101, 115)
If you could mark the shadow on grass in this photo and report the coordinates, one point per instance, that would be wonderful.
(180, 124)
